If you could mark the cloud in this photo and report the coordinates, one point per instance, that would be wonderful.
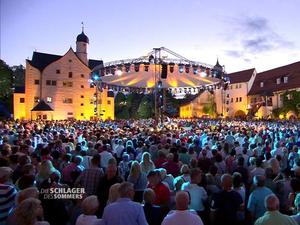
(255, 35)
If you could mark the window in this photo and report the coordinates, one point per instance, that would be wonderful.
(70, 114)
(227, 95)
(70, 74)
(240, 99)
(278, 81)
(240, 85)
(68, 100)
(49, 99)
(36, 82)
(44, 117)
(67, 84)
(81, 114)
(70, 60)
(22, 100)
(48, 82)
(261, 84)
(53, 83)
(81, 104)
(236, 86)
(227, 109)
(36, 99)
(108, 102)
(82, 96)
(227, 102)
(237, 99)
(285, 80)
(58, 71)
(82, 75)
(231, 100)
(82, 86)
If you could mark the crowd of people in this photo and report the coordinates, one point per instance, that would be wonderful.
(209, 172)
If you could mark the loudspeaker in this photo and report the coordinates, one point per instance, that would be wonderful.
(164, 71)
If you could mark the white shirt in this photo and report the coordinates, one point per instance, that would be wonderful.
(198, 195)
(88, 219)
(105, 157)
(181, 218)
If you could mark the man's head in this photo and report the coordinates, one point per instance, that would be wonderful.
(149, 196)
(272, 202)
(154, 178)
(259, 180)
(226, 181)
(5, 174)
(196, 176)
(111, 171)
(126, 190)
(182, 200)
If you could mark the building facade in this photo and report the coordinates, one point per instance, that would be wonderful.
(57, 87)
(250, 94)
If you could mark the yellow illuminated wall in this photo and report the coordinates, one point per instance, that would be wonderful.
(67, 101)
(19, 106)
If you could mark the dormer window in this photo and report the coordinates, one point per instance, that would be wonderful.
(261, 84)
(278, 81)
(285, 79)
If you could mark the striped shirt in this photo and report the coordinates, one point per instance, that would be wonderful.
(7, 201)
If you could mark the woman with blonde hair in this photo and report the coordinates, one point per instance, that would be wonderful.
(113, 193)
(89, 206)
(138, 179)
(30, 212)
(146, 164)
(46, 170)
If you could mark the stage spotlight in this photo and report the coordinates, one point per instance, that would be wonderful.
(136, 67)
(127, 67)
(187, 68)
(107, 70)
(180, 68)
(146, 67)
(164, 71)
(195, 69)
(171, 65)
(120, 67)
(113, 69)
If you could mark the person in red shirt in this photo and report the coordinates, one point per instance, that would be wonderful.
(162, 192)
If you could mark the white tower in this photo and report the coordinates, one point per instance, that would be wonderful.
(82, 42)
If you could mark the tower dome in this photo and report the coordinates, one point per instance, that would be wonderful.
(82, 38)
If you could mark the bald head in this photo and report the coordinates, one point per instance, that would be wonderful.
(226, 181)
(182, 200)
(272, 202)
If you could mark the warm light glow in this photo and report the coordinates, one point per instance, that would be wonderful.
(118, 72)
(203, 74)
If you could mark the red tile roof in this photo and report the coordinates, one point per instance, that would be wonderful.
(241, 76)
(269, 78)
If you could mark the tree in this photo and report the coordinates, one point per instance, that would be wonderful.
(145, 108)
(6, 85)
(121, 107)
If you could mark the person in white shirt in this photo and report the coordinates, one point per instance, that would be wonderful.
(105, 156)
(197, 193)
(90, 206)
(182, 215)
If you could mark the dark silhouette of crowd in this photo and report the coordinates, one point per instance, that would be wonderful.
(210, 172)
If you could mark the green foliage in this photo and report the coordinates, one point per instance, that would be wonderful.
(6, 81)
(291, 102)
(210, 108)
(145, 108)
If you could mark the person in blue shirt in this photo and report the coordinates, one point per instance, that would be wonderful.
(124, 211)
(257, 197)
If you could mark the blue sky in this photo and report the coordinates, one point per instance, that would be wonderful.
(243, 34)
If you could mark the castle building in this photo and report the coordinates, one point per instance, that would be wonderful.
(57, 87)
(249, 93)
